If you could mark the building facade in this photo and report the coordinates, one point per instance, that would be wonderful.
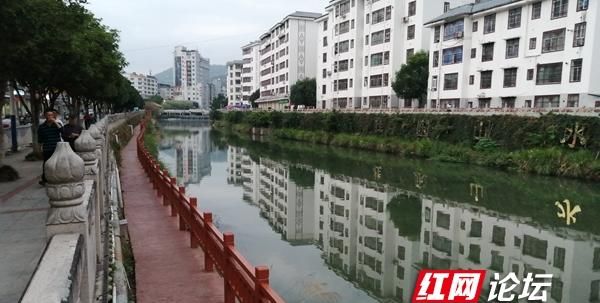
(288, 53)
(250, 69)
(234, 81)
(147, 86)
(363, 43)
(165, 91)
(191, 74)
(516, 54)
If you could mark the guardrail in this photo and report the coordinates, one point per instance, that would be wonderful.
(242, 281)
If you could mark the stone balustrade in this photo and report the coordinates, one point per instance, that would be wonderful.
(75, 264)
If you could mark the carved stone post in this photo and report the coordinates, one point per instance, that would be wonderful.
(70, 210)
(100, 155)
(86, 149)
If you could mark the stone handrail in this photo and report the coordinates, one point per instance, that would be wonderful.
(79, 199)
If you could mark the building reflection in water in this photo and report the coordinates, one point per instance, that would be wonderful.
(379, 237)
(192, 152)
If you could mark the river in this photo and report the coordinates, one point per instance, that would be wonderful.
(340, 225)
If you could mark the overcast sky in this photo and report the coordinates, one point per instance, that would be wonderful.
(150, 29)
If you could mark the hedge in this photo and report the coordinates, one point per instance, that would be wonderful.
(506, 131)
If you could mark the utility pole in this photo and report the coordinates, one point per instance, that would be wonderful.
(13, 119)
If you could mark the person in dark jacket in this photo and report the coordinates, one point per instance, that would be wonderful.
(71, 131)
(49, 134)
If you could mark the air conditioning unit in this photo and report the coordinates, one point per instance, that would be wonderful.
(329, 73)
(459, 35)
(405, 19)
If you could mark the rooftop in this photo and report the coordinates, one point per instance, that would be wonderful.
(470, 9)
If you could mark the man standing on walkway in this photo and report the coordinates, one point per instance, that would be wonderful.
(71, 131)
(49, 134)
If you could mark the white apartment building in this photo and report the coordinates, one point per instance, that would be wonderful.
(234, 81)
(363, 43)
(288, 53)
(250, 69)
(191, 74)
(455, 235)
(516, 54)
(165, 91)
(147, 86)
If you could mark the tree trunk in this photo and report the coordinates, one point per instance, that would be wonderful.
(36, 106)
(2, 92)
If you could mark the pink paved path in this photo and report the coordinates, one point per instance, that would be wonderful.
(166, 268)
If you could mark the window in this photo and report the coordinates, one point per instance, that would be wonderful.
(344, 27)
(556, 291)
(367, 40)
(553, 41)
(473, 53)
(510, 77)
(489, 24)
(324, 41)
(388, 13)
(410, 32)
(368, 18)
(378, 16)
(530, 73)
(486, 79)
(434, 85)
(436, 58)
(380, 59)
(576, 66)
(475, 26)
(596, 259)
(536, 10)
(380, 37)
(582, 5)
(595, 291)
(379, 80)
(324, 89)
(454, 30)
(412, 8)
(544, 102)
(497, 263)
(534, 247)
(549, 73)
(508, 102)
(409, 53)
(471, 79)
(579, 34)
(401, 253)
(442, 219)
(532, 43)
(452, 55)
(342, 66)
(514, 18)
(512, 48)
(476, 227)
(559, 8)
(341, 84)
(324, 57)
(342, 8)
(474, 253)
(487, 52)
(451, 81)
(573, 100)
(324, 73)
(400, 272)
(436, 34)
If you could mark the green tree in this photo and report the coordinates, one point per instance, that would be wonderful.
(156, 99)
(304, 92)
(255, 95)
(411, 79)
(216, 105)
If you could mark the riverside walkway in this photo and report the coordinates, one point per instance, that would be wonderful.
(166, 268)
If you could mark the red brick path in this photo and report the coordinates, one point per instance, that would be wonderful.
(166, 268)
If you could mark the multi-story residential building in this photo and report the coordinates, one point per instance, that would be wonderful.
(250, 69)
(191, 74)
(165, 91)
(519, 54)
(234, 81)
(363, 43)
(288, 53)
(146, 85)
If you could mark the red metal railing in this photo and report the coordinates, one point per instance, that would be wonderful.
(242, 281)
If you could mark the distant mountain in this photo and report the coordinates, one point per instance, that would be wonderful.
(166, 76)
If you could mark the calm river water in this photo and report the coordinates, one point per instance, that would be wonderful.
(339, 225)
